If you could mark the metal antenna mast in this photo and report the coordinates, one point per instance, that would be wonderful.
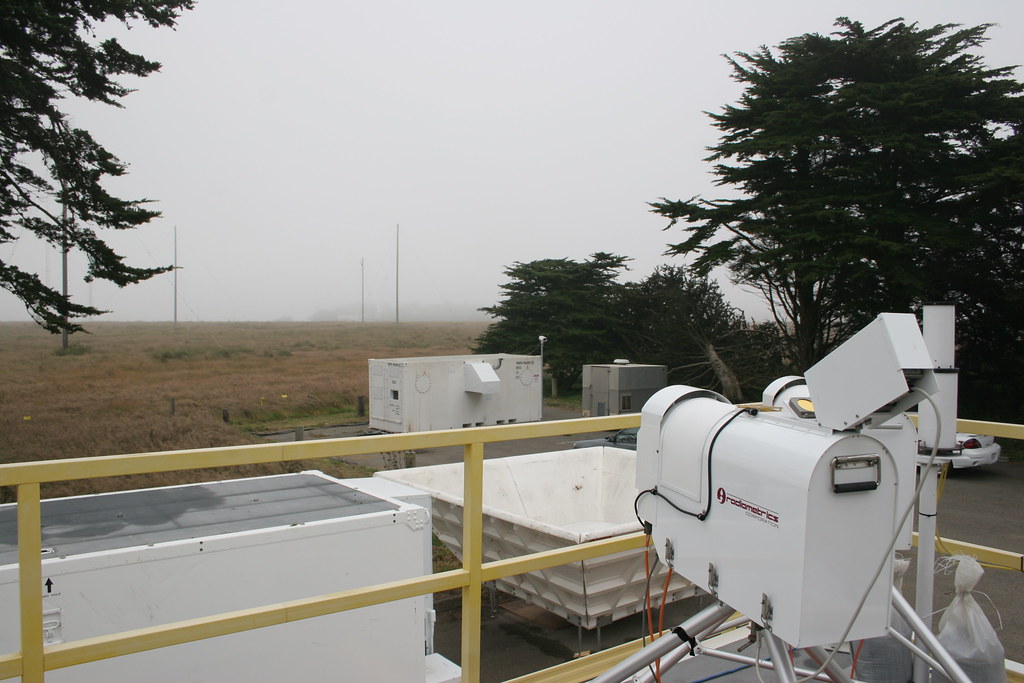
(396, 274)
(175, 275)
(64, 265)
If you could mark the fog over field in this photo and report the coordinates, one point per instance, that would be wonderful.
(286, 142)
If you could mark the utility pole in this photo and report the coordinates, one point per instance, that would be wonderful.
(64, 270)
(175, 275)
(396, 274)
(362, 290)
(64, 260)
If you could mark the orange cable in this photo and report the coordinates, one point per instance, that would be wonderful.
(856, 656)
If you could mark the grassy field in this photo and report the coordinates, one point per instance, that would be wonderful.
(113, 392)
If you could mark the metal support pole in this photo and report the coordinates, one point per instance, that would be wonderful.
(927, 508)
(915, 650)
(677, 655)
(780, 655)
(762, 663)
(924, 635)
(939, 331)
(175, 269)
(662, 646)
(833, 670)
(396, 274)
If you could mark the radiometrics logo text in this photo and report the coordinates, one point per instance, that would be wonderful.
(752, 510)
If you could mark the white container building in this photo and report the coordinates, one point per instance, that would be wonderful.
(621, 387)
(452, 392)
(134, 559)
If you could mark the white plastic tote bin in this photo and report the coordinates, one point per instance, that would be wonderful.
(551, 500)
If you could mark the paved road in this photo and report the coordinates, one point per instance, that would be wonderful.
(444, 456)
(984, 506)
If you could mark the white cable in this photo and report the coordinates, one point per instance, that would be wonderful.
(895, 535)
(757, 657)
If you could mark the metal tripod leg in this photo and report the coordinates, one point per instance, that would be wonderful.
(833, 670)
(675, 656)
(695, 624)
(927, 638)
(780, 656)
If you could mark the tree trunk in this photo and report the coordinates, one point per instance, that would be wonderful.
(726, 377)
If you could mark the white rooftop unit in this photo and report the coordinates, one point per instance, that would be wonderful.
(789, 515)
(133, 559)
(451, 392)
(552, 500)
(620, 387)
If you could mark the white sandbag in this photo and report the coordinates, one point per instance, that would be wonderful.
(884, 659)
(965, 631)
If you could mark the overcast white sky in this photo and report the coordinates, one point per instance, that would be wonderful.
(285, 141)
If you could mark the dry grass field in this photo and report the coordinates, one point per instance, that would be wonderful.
(112, 394)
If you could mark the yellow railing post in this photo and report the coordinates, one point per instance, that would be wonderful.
(472, 559)
(30, 582)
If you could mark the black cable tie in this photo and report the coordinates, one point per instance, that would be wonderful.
(686, 638)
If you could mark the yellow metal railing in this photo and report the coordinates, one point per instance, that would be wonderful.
(34, 659)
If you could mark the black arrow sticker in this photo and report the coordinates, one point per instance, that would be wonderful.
(49, 586)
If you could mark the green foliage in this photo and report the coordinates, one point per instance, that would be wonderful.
(671, 318)
(682, 320)
(569, 302)
(877, 169)
(51, 173)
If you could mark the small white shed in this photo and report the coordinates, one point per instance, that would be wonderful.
(451, 392)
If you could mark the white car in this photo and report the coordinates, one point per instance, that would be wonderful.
(974, 450)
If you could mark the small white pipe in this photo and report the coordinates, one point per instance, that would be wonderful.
(924, 598)
(939, 333)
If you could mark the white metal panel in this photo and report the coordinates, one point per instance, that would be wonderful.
(940, 335)
(134, 587)
(481, 378)
(776, 528)
(866, 375)
(898, 434)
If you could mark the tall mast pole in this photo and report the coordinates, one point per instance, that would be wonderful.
(396, 274)
(362, 289)
(64, 264)
(175, 275)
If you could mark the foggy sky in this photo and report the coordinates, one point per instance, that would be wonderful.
(286, 141)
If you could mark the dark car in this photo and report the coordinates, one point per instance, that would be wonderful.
(625, 438)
